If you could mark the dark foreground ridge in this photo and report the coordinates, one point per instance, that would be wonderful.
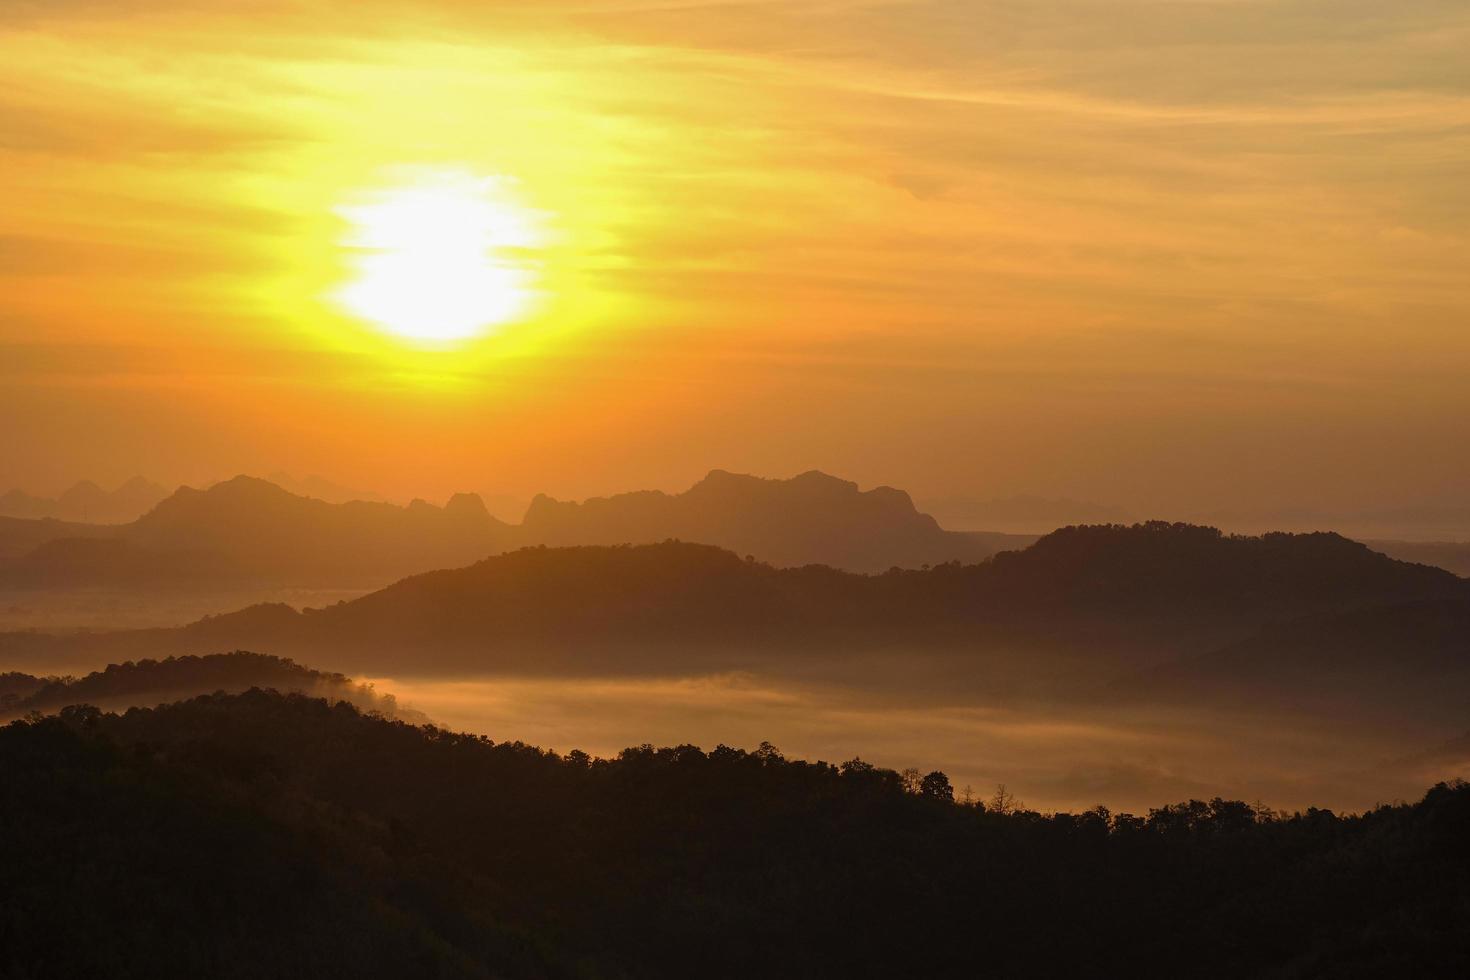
(268, 835)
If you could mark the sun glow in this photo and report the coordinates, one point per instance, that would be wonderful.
(445, 256)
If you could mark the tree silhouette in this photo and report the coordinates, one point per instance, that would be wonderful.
(936, 786)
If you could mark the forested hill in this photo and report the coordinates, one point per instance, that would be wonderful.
(1120, 596)
(145, 683)
(1147, 569)
(261, 835)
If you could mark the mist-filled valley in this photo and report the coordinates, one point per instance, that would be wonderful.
(616, 740)
(1051, 757)
(1122, 665)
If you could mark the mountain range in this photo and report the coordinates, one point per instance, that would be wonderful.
(247, 535)
(86, 502)
(246, 531)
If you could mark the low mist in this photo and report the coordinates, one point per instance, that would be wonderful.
(1052, 758)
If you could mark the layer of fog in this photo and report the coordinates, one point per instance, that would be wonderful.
(909, 711)
(1052, 758)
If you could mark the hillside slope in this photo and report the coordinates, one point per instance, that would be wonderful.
(145, 683)
(1108, 598)
(265, 835)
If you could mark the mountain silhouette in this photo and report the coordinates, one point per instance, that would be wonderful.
(277, 536)
(86, 502)
(809, 519)
(248, 531)
(247, 534)
(1106, 598)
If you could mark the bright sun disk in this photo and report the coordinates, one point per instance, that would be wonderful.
(440, 258)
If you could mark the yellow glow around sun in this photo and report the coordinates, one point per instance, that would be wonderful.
(443, 256)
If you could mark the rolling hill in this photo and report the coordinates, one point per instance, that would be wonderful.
(1106, 599)
(267, 835)
(146, 683)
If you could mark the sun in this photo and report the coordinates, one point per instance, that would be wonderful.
(440, 256)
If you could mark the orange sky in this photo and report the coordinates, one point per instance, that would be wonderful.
(1174, 255)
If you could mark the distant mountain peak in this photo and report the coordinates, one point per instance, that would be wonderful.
(246, 482)
(266, 532)
(233, 494)
(810, 518)
(809, 482)
(86, 501)
(467, 505)
(810, 479)
(819, 478)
